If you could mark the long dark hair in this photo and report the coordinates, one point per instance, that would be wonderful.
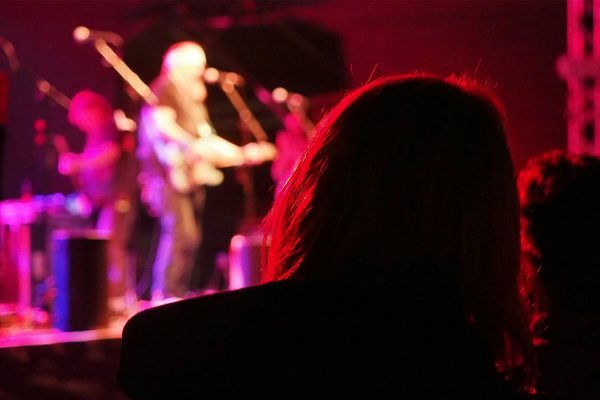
(406, 170)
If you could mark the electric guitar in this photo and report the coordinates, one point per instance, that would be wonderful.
(198, 162)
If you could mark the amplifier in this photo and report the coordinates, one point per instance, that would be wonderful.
(79, 260)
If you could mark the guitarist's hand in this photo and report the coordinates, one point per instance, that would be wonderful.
(69, 164)
(258, 152)
(217, 151)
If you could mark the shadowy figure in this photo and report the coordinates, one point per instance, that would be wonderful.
(391, 267)
(560, 211)
(104, 174)
(179, 154)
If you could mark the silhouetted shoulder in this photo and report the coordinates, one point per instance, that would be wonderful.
(294, 338)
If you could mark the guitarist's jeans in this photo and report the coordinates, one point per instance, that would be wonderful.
(180, 237)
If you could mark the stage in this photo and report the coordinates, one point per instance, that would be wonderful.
(39, 362)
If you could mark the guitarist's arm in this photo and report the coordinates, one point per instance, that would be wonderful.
(105, 155)
(222, 153)
(164, 119)
(210, 148)
(64, 159)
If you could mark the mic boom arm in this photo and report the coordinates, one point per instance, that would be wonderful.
(56, 95)
(126, 73)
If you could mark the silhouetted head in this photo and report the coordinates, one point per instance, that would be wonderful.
(405, 172)
(560, 211)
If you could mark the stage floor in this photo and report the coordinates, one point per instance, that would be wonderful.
(32, 336)
(34, 328)
(39, 362)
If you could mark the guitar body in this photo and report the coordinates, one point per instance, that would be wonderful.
(184, 169)
(187, 172)
(198, 164)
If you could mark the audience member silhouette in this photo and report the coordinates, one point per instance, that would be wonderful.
(391, 267)
(560, 211)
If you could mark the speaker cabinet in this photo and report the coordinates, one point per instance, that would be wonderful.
(79, 260)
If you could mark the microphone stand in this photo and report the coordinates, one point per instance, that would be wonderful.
(255, 129)
(53, 93)
(244, 112)
(126, 73)
(41, 139)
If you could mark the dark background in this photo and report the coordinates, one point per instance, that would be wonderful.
(317, 48)
(514, 44)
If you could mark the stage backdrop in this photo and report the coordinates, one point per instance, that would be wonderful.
(319, 48)
(514, 44)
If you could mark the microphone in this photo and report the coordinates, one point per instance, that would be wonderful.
(213, 75)
(82, 34)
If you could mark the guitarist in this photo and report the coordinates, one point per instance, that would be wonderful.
(179, 154)
(104, 173)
